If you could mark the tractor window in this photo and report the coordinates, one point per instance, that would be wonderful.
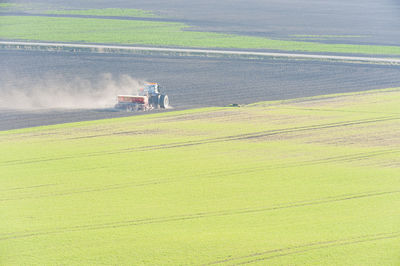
(151, 89)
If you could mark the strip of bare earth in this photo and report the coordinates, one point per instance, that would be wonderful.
(97, 48)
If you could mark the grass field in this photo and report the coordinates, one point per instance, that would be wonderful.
(302, 182)
(135, 32)
(113, 12)
(7, 5)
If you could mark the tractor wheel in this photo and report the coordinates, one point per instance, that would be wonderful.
(164, 101)
(131, 108)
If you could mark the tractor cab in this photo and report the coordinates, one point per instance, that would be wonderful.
(151, 88)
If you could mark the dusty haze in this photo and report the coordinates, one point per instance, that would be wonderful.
(58, 91)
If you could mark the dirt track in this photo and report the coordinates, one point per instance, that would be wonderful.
(196, 52)
(190, 82)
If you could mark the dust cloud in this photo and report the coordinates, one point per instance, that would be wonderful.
(58, 91)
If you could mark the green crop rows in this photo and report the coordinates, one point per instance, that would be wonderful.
(304, 182)
(136, 32)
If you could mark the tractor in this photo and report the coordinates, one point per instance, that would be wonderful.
(148, 98)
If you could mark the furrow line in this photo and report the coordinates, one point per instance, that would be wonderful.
(210, 140)
(158, 220)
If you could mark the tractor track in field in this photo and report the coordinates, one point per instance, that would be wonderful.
(85, 190)
(238, 137)
(212, 174)
(312, 162)
(30, 187)
(158, 220)
(297, 249)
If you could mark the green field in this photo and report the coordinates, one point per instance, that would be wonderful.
(7, 5)
(302, 182)
(113, 12)
(136, 32)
